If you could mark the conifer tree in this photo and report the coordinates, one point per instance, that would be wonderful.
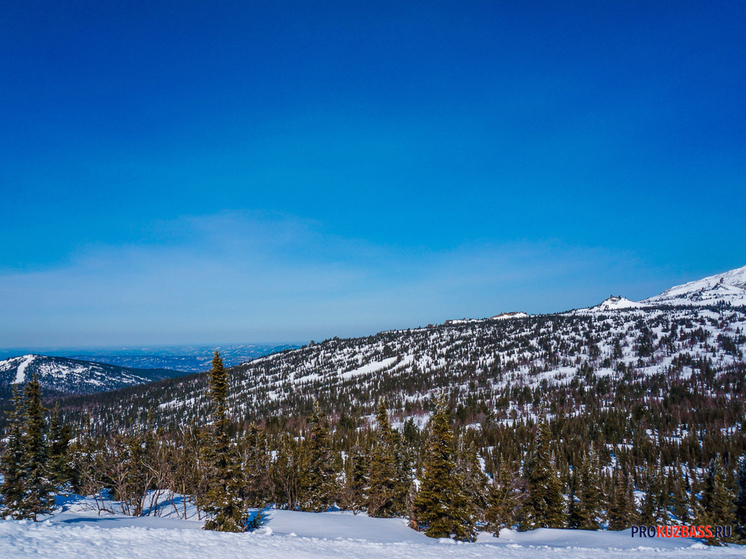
(441, 507)
(620, 514)
(321, 477)
(357, 480)
(473, 478)
(11, 462)
(544, 506)
(502, 499)
(718, 506)
(740, 511)
(589, 496)
(382, 483)
(258, 488)
(61, 474)
(226, 511)
(38, 496)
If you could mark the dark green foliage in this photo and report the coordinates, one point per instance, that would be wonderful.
(11, 463)
(718, 504)
(320, 483)
(382, 473)
(503, 499)
(258, 490)
(60, 472)
(620, 510)
(441, 507)
(226, 511)
(585, 510)
(740, 512)
(38, 496)
(544, 506)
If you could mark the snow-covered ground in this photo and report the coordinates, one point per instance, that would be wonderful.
(76, 531)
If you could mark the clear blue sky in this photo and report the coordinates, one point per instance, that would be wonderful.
(213, 172)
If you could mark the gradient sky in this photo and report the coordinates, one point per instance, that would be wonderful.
(215, 172)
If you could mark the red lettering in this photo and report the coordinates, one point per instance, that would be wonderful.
(660, 532)
(708, 532)
(677, 531)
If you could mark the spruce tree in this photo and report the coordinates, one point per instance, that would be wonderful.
(321, 476)
(544, 506)
(11, 462)
(382, 483)
(226, 511)
(357, 481)
(258, 483)
(61, 474)
(441, 507)
(620, 514)
(740, 511)
(718, 506)
(38, 496)
(502, 499)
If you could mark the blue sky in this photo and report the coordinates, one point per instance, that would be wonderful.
(220, 172)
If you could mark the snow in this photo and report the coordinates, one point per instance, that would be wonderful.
(21, 370)
(729, 286)
(76, 531)
(369, 368)
(507, 315)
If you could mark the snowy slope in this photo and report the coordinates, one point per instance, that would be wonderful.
(82, 534)
(727, 287)
(74, 376)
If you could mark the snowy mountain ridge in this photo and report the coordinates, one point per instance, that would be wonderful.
(728, 287)
(73, 376)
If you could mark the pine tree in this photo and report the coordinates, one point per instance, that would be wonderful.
(38, 496)
(226, 511)
(11, 463)
(441, 507)
(321, 477)
(544, 506)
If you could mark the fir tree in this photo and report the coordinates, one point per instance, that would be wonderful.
(357, 480)
(61, 474)
(226, 511)
(740, 511)
(718, 506)
(502, 500)
(38, 496)
(11, 463)
(381, 477)
(620, 514)
(441, 507)
(544, 505)
(589, 496)
(321, 477)
(258, 489)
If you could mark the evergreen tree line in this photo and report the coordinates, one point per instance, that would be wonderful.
(450, 481)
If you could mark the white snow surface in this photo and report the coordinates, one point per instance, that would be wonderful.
(21, 370)
(76, 531)
(729, 287)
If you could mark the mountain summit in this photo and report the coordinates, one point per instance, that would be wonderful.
(728, 287)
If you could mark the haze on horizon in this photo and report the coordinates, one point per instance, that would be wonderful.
(199, 173)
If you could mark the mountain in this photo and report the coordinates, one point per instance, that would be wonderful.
(72, 376)
(728, 287)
